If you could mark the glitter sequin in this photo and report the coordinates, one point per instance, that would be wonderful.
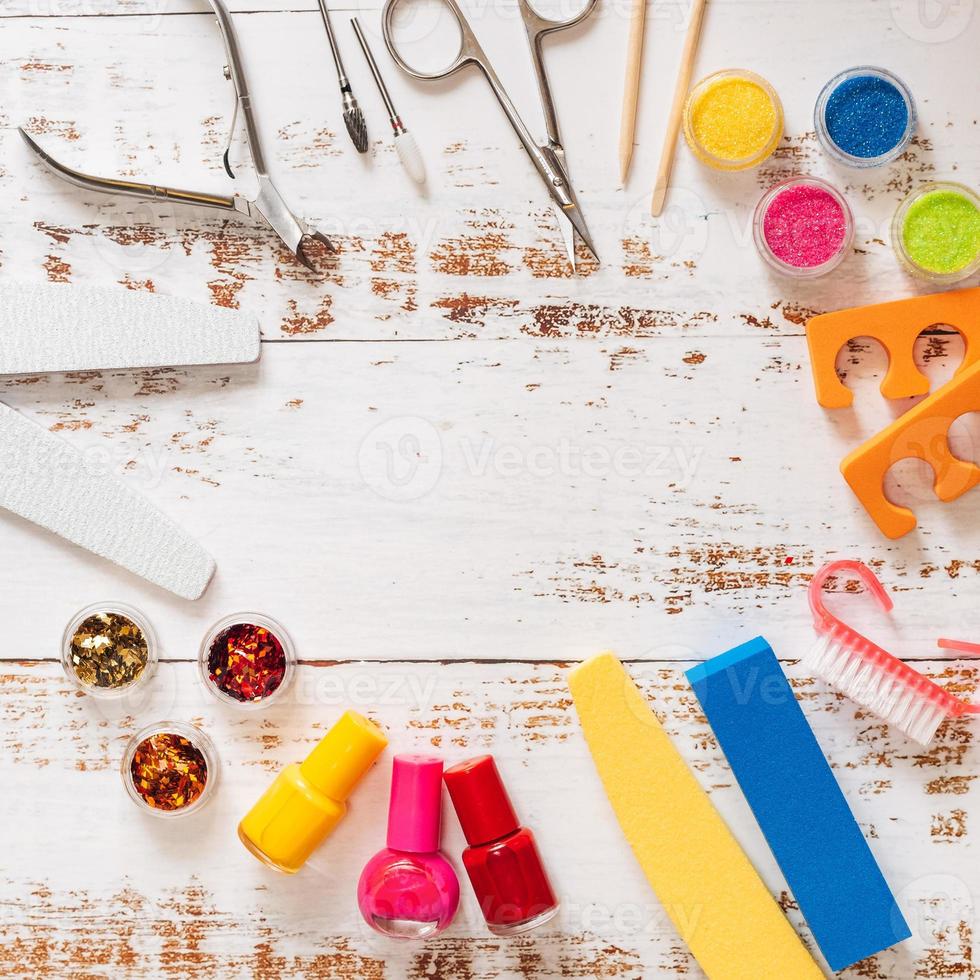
(246, 661)
(168, 771)
(941, 231)
(805, 225)
(865, 117)
(107, 650)
(733, 120)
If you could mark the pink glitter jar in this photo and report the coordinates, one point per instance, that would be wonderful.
(803, 227)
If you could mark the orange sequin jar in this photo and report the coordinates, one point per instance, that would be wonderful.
(170, 769)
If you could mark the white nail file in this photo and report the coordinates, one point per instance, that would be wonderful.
(50, 483)
(49, 327)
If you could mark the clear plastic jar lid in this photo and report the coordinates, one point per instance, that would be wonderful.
(803, 227)
(257, 681)
(170, 769)
(733, 120)
(936, 232)
(864, 117)
(101, 654)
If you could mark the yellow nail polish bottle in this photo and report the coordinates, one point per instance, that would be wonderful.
(308, 799)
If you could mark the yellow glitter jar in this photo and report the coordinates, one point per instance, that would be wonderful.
(733, 120)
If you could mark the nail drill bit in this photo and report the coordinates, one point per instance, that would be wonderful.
(353, 117)
(408, 151)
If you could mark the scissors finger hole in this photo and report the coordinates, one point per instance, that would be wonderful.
(560, 12)
(426, 34)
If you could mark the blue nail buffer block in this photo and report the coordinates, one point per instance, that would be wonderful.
(799, 806)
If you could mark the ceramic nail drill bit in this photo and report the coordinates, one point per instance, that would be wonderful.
(353, 117)
(408, 151)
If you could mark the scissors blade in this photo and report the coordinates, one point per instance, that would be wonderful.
(567, 233)
(576, 226)
(566, 207)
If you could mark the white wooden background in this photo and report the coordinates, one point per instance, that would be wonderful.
(455, 469)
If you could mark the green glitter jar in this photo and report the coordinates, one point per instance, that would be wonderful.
(936, 232)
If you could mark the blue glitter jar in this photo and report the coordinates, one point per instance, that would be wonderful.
(864, 117)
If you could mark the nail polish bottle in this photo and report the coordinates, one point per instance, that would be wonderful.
(308, 799)
(409, 890)
(502, 860)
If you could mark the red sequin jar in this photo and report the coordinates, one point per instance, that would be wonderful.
(247, 660)
(170, 769)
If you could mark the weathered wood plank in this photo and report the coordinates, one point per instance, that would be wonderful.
(496, 500)
(112, 894)
(479, 254)
(630, 459)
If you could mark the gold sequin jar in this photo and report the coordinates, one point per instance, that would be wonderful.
(733, 120)
(170, 769)
(109, 649)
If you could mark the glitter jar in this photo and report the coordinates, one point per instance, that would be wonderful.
(864, 117)
(109, 649)
(803, 227)
(733, 120)
(247, 660)
(936, 232)
(170, 769)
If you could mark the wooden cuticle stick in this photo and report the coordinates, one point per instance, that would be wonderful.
(677, 107)
(631, 86)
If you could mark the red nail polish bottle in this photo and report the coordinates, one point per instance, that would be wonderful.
(502, 860)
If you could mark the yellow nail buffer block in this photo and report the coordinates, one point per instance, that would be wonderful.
(713, 895)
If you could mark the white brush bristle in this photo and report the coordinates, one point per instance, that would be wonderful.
(874, 688)
(408, 153)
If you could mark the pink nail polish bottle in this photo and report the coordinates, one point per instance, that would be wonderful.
(409, 890)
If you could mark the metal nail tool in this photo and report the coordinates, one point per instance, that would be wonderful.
(353, 117)
(267, 205)
(548, 158)
(405, 145)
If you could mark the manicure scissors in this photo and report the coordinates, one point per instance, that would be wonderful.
(267, 206)
(548, 158)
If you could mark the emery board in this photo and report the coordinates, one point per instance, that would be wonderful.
(48, 327)
(798, 803)
(46, 480)
(703, 878)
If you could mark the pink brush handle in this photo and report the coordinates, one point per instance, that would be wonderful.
(826, 622)
(823, 618)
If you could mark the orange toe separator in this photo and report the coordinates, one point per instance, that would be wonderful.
(921, 433)
(895, 326)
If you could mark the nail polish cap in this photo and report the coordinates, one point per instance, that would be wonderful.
(343, 755)
(482, 804)
(415, 810)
